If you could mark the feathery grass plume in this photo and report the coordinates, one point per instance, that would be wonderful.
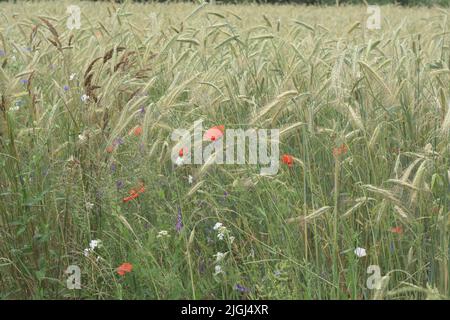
(373, 75)
(418, 181)
(276, 103)
(306, 219)
(445, 127)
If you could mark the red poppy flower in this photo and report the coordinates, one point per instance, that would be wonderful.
(124, 268)
(287, 159)
(342, 149)
(398, 230)
(137, 131)
(214, 133)
(141, 189)
(134, 194)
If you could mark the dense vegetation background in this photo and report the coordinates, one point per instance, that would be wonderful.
(87, 181)
(333, 2)
(313, 2)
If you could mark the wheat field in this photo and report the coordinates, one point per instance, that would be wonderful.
(86, 178)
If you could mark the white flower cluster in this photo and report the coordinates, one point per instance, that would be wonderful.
(92, 245)
(222, 231)
(84, 98)
(219, 257)
(162, 234)
(218, 270)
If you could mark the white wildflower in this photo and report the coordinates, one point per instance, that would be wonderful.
(72, 76)
(84, 98)
(163, 233)
(89, 205)
(360, 252)
(190, 179)
(218, 270)
(217, 226)
(95, 244)
(221, 230)
(82, 137)
(219, 256)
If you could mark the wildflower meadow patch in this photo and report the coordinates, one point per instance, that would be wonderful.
(212, 151)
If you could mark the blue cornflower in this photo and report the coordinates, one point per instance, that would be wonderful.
(240, 288)
(117, 141)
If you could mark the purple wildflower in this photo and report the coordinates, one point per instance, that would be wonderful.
(2, 53)
(225, 196)
(119, 184)
(113, 167)
(117, 141)
(179, 224)
(66, 88)
(142, 110)
(23, 81)
(240, 288)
